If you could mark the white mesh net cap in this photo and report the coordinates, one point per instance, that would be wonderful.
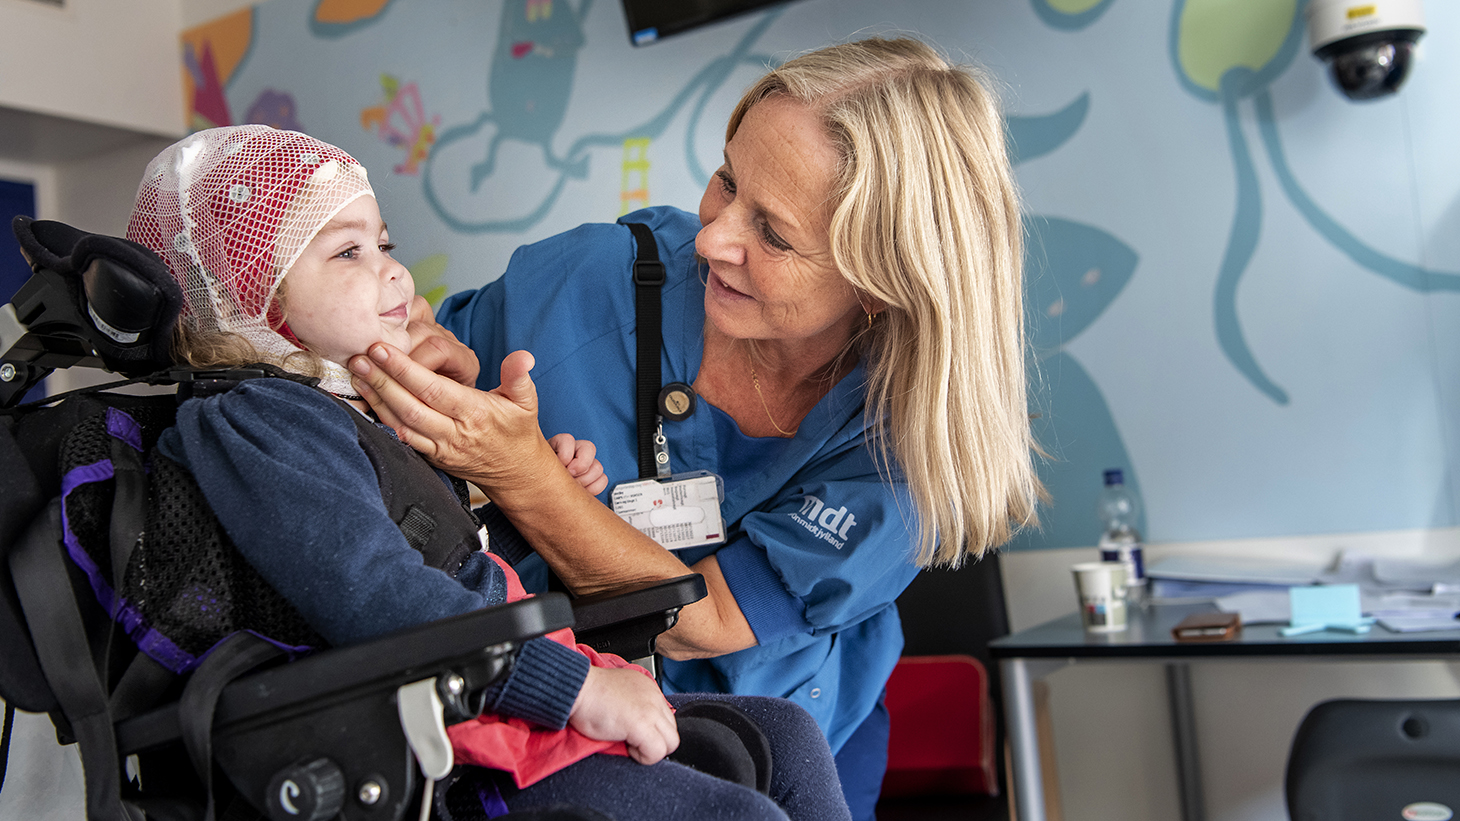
(230, 210)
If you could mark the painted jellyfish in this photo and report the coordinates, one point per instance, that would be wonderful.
(337, 18)
(443, 169)
(529, 83)
(532, 77)
(1070, 15)
(1226, 51)
(1072, 274)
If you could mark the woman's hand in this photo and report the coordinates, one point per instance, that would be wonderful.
(437, 349)
(488, 438)
(623, 704)
(577, 455)
(492, 439)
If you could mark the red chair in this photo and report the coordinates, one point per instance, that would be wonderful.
(942, 736)
(948, 710)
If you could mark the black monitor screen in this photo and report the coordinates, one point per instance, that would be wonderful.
(651, 20)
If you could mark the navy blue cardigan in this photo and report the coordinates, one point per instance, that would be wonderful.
(281, 466)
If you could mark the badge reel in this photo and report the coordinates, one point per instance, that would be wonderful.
(677, 510)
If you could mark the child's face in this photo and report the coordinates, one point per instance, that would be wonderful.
(345, 292)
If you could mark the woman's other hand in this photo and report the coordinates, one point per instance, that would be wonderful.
(578, 456)
(437, 349)
(624, 704)
(490, 438)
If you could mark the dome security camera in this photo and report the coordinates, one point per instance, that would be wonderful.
(1367, 44)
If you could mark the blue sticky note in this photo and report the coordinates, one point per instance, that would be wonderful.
(1326, 604)
(1319, 607)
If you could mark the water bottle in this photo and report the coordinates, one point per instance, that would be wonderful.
(1121, 541)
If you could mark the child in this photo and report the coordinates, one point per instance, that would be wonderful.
(283, 258)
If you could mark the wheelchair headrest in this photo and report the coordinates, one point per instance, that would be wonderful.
(127, 300)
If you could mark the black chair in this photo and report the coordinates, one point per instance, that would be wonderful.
(955, 613)
(354, 732)
(1357, 759)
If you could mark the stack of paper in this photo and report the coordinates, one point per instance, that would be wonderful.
(1409, 613)
(1403, 595)
(1178, 578)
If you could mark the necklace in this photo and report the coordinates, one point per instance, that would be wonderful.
(755, 380)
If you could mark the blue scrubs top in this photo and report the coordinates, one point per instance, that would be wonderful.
(819, 543)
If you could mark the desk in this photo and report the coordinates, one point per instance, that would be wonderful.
(1030, 655)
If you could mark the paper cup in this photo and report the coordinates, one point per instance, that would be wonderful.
(1101, 588)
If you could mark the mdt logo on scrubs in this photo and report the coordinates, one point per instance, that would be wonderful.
(830, 524)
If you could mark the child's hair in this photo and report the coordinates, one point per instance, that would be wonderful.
(230, 210)
(222, 349)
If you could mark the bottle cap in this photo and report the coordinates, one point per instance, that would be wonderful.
(1114, 476)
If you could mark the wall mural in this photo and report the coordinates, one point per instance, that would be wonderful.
(544, 117)
(532, 74)
(401, 121)
(1225, 52)
(211, 53)
(1071, 15)
(337, 18)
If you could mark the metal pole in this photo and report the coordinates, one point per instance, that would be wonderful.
(1183, 732)
(1019, 675)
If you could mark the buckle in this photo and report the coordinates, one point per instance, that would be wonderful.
(648, 272)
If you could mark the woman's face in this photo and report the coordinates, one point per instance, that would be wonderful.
(346, 292)
(766, 235)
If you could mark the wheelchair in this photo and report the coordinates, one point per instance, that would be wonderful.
(354, 732)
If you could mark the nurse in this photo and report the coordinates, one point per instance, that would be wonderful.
(846, 311)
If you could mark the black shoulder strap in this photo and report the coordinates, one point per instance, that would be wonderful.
(648, 281)
(237, 655)
(432, 517)
(65, 657)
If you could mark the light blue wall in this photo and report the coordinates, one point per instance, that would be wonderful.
(1244, 295)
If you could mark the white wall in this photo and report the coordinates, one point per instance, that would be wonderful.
(99, 61)
(95, 193)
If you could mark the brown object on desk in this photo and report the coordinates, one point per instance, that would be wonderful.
(1208, 627)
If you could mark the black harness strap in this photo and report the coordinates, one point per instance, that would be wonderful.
(140, 687)
(128, 520)
(648, 282)
(65, 656)
(238, 654)
(129, 509)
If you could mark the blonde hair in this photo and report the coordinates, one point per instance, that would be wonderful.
(927, 223)
(214, 348)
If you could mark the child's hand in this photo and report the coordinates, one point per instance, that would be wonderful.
(623, 704)
(577, 455)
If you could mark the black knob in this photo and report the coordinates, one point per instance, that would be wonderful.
(306, 791)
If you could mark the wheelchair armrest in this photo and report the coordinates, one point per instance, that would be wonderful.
(476, 645)
(334, 719)
(628, 621)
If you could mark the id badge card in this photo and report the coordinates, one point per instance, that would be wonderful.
(679, 512)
